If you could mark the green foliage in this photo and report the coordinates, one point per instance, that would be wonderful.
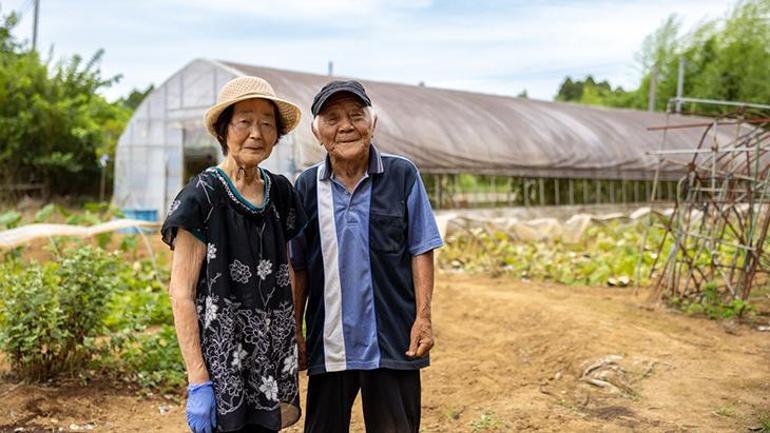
(150, 359)
(713, 305)
(45, 213)
(135, 98)
(54, 126)
(605, 253)
(142, 347)
(488, 421)
(726, 59)
(9, 219)
(140, 297)
(764, 423)
(590, 92)
(89, 313)
(51, 313)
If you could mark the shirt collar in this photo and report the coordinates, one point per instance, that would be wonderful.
(375, 164)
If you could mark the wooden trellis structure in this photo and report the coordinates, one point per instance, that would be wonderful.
(716, 236)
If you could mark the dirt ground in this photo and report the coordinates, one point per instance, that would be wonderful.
(512, 356)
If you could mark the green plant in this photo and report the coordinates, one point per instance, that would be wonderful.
(488, 420)
(727, 411)
(9, 219)
(140, 296)
(148, 358)
(54, 122)
(605, 254)
(142, 348)
(762, 424)
(454, 413)
(45, 213)
(52, 313)
(713, 305)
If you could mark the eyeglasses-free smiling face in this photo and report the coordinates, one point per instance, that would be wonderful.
(252, 132)
(344, 127)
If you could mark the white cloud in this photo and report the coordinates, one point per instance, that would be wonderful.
(305, 9)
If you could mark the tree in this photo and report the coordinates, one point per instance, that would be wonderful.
(590, 92)
(725, 59)
(54, 124)
(136, 97)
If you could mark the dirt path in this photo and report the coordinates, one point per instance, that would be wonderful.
(510, 356)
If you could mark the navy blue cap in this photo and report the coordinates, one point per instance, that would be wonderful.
(335, 87)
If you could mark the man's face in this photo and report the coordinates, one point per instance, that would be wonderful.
(344, 127)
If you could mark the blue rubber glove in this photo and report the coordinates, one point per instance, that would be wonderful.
(201, 407)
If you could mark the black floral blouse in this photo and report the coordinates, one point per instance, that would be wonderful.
(244, 298)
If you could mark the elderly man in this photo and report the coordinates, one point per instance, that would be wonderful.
(364, 269)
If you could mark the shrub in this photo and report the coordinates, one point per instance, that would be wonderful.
(150, 359)
(87, 313)
(52, 313)
(141, 297)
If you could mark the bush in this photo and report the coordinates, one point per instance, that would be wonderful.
(142, 347)
(148, 358)
(141, 297)
(90, 313)
(52, 313)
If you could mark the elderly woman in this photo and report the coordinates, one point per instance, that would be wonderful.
(230, 277)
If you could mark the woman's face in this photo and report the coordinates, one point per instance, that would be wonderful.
(252, 132)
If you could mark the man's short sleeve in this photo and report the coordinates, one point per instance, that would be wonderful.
(423, 234)
(298, 244)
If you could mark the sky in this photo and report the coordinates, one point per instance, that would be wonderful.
(495, 46)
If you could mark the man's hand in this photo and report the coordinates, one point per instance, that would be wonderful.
(301, 352)
(421, 339)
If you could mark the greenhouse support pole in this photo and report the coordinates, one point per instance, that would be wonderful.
(525, 188)
(623, 191)
(541, 184)
(636, 191)
(556, 190)
(598, 191)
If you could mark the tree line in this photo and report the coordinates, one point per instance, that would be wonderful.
(56, 129)
(724, 59)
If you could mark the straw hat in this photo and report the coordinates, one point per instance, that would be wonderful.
(243, 88)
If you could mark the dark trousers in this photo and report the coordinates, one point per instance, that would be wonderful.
(390, 399)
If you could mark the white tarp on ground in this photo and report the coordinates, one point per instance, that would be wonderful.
(570, 230)
(22, 235)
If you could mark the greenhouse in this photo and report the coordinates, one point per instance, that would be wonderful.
(472, 149)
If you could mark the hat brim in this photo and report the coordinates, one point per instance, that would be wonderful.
(289, 112)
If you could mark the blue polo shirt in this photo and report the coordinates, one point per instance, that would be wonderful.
(357, 249)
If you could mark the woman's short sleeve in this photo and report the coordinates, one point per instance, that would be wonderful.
(290, 206)
(189, 211)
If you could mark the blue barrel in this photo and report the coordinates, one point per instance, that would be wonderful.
(139, 214)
